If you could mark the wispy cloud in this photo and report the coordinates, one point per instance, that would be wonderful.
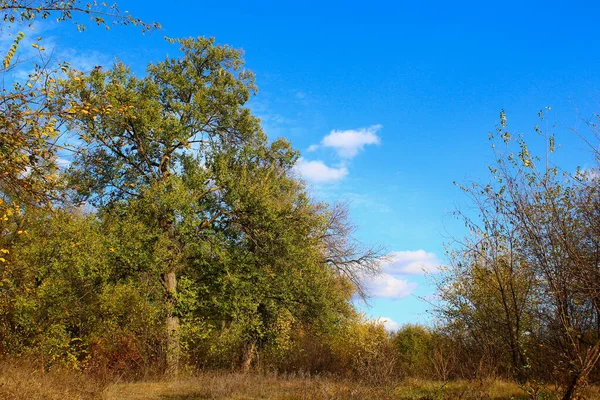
(62, 162)
(417, 262)
(274, 124)
(367, 200)
(48, 50)
(85, 61)
(388, 286)
(319, 172)
(394, 281)
(280, 114)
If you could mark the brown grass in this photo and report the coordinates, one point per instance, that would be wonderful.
(250, 386)
(221, 386)
(22, 382)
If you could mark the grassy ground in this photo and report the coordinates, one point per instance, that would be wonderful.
(19, 383)
(235, 386)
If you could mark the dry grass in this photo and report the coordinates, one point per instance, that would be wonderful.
(250, 386)
(237, 386)
(22, 382)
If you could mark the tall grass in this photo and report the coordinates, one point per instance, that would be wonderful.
(23, 380)
(20, 380)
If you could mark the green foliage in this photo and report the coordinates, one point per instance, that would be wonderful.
(66, 292)
(414, 346)
(199, 244)
(199, 225)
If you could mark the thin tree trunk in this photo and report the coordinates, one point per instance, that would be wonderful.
(173, 345)
(248, 357)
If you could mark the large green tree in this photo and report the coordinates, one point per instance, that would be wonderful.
(172, 146)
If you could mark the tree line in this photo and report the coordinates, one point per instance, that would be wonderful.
(179, 235)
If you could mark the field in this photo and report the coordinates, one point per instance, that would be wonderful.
(235, 386)
(21, 383)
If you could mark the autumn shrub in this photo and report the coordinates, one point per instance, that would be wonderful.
(308, 352)
(117, 355)
(356, 349)
(363, 350)
(425, 352)
(413, 345)
(211, 348)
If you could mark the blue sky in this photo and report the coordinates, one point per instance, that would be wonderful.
(389, 102)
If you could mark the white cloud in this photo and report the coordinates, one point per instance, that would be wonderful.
(62, 162)
(388, 286)
(319, 172)
(412, 263)
(389, 324)
(85, 61)
(391, 282)
(348, 143)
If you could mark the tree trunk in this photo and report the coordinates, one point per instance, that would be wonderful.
(173, 346)
(573, 387)
(248, 357)
(580, 378)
